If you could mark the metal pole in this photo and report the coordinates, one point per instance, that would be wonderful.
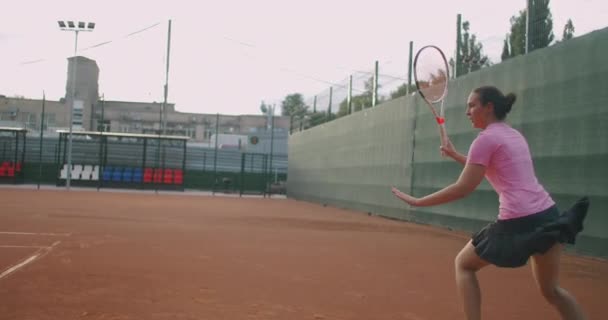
(271, 137)
(16, 157)
(100, 161)
(242, 174)
(217, 133)
(264, 183)
(163, 116)
(101, 165)
(529, 28)
(143, 163)
(184, 164)
(103, 107)
(41, 131)
(409, 68)
(166, 91)
(69, 173)
(458, 62)
(272, 149)
(331, 91)
(22, 157)
(349, 97)
(375, 85)
(160, 132)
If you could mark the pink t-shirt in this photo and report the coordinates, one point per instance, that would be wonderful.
(509, 169)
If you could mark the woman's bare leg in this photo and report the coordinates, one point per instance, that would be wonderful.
(545, 268)
(467, 263)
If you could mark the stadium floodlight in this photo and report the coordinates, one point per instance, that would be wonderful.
(76, 28)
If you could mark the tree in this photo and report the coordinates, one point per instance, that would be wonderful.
(264, 108)
(293, 105)
(568, 31)
(505, 50)
(517, 37)
(540, 30)
(471, 52)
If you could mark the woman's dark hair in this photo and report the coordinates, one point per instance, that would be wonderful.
(502, 103)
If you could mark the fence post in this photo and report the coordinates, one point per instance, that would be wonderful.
(41, 133)
(375, 85)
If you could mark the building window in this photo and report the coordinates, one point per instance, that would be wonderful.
(77, 113)
(208, 133)
(49, 119)
(103, 126)
(31, 121)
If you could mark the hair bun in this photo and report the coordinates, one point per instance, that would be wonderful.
(509, 101)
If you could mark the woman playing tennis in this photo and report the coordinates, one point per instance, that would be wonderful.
(528, 224)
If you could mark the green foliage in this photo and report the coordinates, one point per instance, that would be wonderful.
(471, 52)
(517, 37)
(293, 104)
(541, 25)
(568, 30)
(358, 103)
(317, 118)
(505, 49)
(264, 108)
(540, 30)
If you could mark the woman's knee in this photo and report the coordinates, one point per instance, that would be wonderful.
(460, 261)
(467, 260)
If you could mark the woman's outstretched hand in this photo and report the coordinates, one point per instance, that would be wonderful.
(404, 197)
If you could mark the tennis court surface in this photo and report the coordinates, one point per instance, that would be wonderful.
(116, 255)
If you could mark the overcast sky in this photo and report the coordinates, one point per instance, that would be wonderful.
(227, 56)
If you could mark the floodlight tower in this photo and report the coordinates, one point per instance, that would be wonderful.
(75, 27)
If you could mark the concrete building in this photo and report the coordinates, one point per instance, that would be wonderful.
(92, 113)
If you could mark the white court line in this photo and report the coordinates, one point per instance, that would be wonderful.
(17, 266)
(28, 247)
(36, 255)
(37, 234)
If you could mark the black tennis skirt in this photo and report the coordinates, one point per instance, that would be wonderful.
(510, 243)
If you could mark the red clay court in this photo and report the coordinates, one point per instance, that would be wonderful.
(118, 255)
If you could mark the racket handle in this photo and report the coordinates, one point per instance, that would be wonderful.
(443, 135)
(440, 120)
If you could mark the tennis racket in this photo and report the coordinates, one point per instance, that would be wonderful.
(431, 74)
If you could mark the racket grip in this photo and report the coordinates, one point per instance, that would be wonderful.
(440, 120)
(442, 133)
(443, 136)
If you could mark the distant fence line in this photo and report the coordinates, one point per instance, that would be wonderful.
(201, 162)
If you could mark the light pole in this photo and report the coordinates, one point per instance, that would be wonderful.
(75, 27)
